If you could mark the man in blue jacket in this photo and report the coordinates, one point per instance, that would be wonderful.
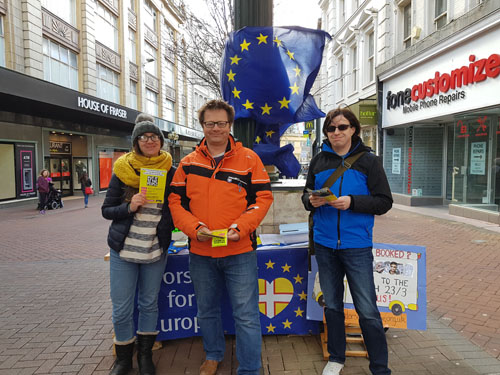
(343, 231)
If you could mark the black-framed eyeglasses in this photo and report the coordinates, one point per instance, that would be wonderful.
(220, 124)
(145, 138)
(332, 128)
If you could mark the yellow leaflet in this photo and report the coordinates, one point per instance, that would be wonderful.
(221, 240)
(153, 183)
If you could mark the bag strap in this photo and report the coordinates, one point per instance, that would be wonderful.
(347, 164)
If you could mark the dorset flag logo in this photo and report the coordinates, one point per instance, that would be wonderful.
(274, 296)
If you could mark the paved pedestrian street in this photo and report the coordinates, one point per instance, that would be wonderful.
(55, 310)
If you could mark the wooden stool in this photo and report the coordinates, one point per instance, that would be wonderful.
(353, 336)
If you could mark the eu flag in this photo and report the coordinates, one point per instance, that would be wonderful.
(267, 73)
(267, 146)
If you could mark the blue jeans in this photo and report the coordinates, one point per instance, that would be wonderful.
(125, 278)
(239, 274)
(357, 266)
(86, 199)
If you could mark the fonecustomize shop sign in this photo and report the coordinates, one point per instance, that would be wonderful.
(463, 78)
(99, 107)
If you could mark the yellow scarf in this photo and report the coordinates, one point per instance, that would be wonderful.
(128, 167)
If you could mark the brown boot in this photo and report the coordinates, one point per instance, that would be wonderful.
(209, 367)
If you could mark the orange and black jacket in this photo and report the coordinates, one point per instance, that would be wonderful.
(236, 193)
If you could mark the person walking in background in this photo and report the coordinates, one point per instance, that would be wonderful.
(42, 184)
(343, 231)
(139, 237)
(85, 183)
(223, 186)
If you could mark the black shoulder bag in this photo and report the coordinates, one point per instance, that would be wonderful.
(348, 162)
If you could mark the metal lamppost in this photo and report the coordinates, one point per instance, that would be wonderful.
(250, 13)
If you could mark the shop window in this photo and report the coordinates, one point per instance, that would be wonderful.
(108, 84)
(440, 13)
(473, 165)
(107, 159)
(133, 95)
(64, 9)
(7, 170)
(407, 26)
(169, 113)
(132, 46)
(80, 166)
(152, 103)
(106, 27)
(60, 65)
(2, 43)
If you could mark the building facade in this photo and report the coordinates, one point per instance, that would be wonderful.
(75, 74)
(436, 125)
(347, 77)
(440, 109)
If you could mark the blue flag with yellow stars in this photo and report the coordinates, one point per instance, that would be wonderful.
(267, 73)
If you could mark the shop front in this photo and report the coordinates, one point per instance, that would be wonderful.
(441, 122)
(46, 126)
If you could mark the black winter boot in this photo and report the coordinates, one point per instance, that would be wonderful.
(123, 363)
(145, 354)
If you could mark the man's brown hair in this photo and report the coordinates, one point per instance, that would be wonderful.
(214, 105)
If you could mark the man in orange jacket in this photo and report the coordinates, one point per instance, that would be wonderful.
(223, 188)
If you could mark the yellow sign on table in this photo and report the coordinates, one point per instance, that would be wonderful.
(219, 238)
(153, 183)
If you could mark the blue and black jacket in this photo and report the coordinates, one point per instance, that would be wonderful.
(365, 182)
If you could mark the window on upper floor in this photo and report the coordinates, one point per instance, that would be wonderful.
(106, 27)
(132, 45)
(354, 69)
(131, 5)
(151, 102)
(60, 65)
(2, 43)
(370, 54)
(169, 76)
(133, 95)
(152, 65)
(169, 112)
(440, 13)
(340, 77)
(150, 16)
(108, 84)
(64, 9)
(341, 4)
(407, 26)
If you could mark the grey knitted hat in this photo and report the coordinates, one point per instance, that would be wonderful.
(144, 123)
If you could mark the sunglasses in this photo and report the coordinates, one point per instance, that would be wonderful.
(332, 128)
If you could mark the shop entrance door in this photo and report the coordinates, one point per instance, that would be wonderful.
(60, 171)
(471, 181)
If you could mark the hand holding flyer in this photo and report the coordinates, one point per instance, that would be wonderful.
(153, 183)
(323, 192)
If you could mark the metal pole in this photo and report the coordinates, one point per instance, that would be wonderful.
(250, 13)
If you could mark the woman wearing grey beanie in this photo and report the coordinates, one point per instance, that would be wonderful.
(139, 237)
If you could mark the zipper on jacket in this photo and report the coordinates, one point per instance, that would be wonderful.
(338, 214)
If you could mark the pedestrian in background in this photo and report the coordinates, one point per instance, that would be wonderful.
(42, 184)
(139, 237)
(86, 183)
(223, 186)
(343, 231)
